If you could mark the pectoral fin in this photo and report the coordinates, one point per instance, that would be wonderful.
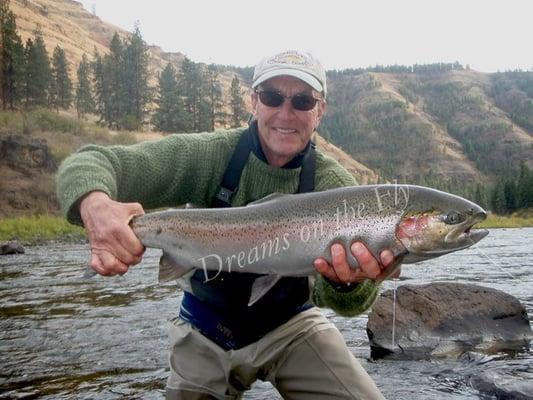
(261, 286)
(169, 269)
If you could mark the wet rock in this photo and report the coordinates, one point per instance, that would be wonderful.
(504, 386)
(11, 248)
(446, 319)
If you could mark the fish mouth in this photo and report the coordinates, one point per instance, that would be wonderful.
(464, 232)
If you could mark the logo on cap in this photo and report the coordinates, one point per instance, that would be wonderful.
(290, 58)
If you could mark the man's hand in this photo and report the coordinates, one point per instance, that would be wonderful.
(114, 246)
(369, 268)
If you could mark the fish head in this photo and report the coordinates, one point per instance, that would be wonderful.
(438, 224)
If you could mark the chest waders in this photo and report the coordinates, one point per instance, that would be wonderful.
(219, 307)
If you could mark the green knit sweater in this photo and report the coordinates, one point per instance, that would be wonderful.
(188, 168)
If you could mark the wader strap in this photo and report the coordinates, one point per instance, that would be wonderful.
(307, 174)
(232, 175)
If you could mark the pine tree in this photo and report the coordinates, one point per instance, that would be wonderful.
(215, 104)
(479, 196)
(192, 87)
(37, 72)
(11, 59)
(238, 109)
(113, 67)
(170, 115)
(509, 192)
(135, 78)
(102, 90)
(497, 199)
(84, 97)
(61, 85)
(524, 197)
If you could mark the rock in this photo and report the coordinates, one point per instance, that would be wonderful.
(11, 248)
(504, 386)
(446, 319)
(25, 153)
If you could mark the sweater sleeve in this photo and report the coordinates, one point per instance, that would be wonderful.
(348, 301)
(175, 170)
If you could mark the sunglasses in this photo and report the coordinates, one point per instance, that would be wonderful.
(300, 101)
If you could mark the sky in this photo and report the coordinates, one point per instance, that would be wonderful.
(487, 35)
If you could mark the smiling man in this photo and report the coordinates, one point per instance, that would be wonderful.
(219, 344)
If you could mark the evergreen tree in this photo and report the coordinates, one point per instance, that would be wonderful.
(215, 104)
(60, 86)
(135, 78)
(37, 72)
(238, 109)
(11, 59)
(102, 89)
(509, 192)
(170, 115)
(84, 97)
(192, 87)
(497, 199)
(113, 66)
(479, 196)
(524, 195)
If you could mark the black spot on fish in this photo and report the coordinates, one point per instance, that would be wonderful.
(159, 230)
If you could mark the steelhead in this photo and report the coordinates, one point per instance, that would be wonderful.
(282, 234)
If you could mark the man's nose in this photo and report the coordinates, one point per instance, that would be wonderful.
(286, 110)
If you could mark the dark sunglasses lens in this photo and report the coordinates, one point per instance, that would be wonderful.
(271, 99)
(303, 102)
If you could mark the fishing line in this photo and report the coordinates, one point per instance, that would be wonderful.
(394, 280)
(492, 261)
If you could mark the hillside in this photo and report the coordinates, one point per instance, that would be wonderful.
(420, 125)
(458, 124)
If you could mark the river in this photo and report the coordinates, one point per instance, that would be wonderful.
(65, 336)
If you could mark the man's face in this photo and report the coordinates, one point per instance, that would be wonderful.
(285, 131)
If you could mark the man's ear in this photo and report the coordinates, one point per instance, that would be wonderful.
(321, 110)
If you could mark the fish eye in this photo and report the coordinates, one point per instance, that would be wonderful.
(453, 218)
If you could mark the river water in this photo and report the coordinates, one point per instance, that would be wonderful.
(63, 336)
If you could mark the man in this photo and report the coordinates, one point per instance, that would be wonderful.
(219, 344)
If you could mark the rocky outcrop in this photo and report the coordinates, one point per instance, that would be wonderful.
(11, 248)
(26, 153)
(446, 319)
(27, 168)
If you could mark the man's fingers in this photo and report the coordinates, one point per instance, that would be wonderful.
(340, 264)
(324, 268)
(97, 266)
(110, 264)
(368, 264)
(387, 257)
(131, 244)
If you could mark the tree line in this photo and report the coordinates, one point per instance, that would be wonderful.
(115, 86)
(402, 69)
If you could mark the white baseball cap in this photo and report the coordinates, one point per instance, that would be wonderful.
(293, 63)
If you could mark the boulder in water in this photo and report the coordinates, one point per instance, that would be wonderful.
(11, 248)
(446, 319)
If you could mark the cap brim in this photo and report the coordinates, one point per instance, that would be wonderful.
(304, 76)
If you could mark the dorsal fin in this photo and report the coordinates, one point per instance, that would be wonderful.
(270, 197)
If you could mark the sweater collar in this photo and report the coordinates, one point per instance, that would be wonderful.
(296, 162)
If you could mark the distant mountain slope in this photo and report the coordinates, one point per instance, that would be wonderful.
(461, 124)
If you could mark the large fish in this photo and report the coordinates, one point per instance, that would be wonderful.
(282, 234)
